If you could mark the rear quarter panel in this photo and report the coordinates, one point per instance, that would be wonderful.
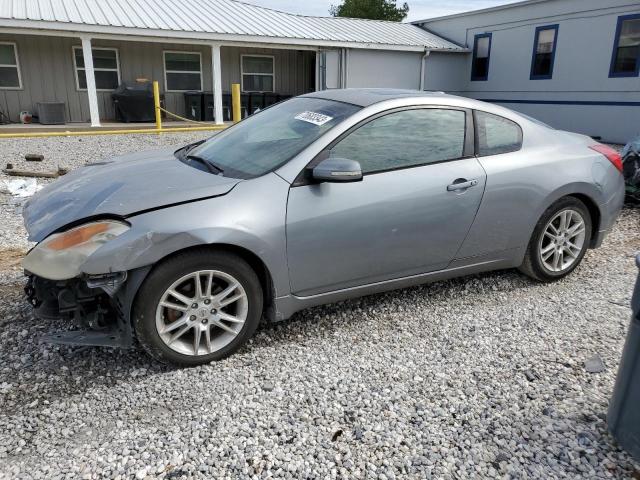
(522, 185)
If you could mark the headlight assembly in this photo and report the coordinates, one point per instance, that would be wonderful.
(60, 256)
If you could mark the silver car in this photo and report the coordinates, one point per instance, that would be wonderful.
(324, 197)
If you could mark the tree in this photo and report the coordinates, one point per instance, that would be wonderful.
(372, 9)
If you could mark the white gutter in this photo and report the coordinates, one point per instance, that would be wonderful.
(37, 27)
(423, 67)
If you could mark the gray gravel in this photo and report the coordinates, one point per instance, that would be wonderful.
(479, 376)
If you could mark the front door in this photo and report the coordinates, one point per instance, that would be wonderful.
(409, 215)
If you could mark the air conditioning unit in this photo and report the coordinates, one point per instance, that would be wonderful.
(51, 113)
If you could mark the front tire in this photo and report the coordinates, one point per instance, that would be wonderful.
(559, 241)
(197, 307)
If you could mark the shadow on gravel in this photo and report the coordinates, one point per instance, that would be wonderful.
(499, 281)
(30, 369)
(55, 372)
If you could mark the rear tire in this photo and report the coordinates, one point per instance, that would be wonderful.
(559, 241)
(178, 322)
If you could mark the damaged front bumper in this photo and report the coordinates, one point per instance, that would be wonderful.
(98, 306)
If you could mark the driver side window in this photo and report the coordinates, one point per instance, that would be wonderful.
(405, 139)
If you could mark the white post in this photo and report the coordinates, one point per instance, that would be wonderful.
(216, 72)
(91, 81)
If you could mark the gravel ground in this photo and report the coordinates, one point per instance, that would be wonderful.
(479, 376)
(70, 153)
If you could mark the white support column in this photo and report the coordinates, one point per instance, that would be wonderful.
(216, 72)
(91, 81)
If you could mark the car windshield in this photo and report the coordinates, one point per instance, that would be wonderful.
(265, 141)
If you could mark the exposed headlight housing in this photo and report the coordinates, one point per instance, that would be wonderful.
(60, 256)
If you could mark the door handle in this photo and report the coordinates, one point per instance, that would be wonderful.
(461, 184)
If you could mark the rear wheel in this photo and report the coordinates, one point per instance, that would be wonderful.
(198, 307)
(559, 241)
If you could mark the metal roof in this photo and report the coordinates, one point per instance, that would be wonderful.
(213, 20)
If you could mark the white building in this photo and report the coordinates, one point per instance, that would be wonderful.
(574, 64)
(76, 52)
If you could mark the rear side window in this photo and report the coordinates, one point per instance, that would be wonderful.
(496, 135)
(405, 139)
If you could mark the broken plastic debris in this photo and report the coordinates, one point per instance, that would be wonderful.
(23, 187)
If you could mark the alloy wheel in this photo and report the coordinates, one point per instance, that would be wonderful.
(201, 312)
(562, 241)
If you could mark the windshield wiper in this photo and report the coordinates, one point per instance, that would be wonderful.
(212, 167)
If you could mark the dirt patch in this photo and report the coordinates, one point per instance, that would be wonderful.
(10, 257)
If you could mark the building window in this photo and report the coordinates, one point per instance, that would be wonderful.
(481, 54)
(9, 67)
(106, 67)
(495, 134)
(544, 52)
(625, 61)
(182, 71)
(257, 73)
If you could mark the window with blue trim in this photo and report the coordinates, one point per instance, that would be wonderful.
(481, 55)
(625, 61)
(544, 52)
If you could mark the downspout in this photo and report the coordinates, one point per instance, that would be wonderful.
(423, 67)
(345, 69)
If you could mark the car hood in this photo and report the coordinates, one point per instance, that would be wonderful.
(120, 186)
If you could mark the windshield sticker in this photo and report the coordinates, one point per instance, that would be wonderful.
(313, 117)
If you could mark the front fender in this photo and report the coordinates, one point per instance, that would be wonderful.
(251, 217)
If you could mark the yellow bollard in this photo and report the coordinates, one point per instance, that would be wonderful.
(235, 101)
(156, 104)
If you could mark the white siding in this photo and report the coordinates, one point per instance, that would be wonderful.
(48, 73)
(446, 72)
(581, 68)
(383, 69)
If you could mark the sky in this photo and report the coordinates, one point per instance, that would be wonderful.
(418, 9)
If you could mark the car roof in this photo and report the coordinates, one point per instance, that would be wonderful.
(364, 97)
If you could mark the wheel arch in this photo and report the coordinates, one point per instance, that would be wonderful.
(587, 194)
(254, 261)
(594, 212)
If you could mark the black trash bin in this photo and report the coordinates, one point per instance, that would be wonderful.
(133, 102)
(226, 107)
(245, 105)
(208, 107)
(624, 409)
(257, 102)
(271, 99)
(193, 105)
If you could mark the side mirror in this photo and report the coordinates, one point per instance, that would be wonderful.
(337, 170)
